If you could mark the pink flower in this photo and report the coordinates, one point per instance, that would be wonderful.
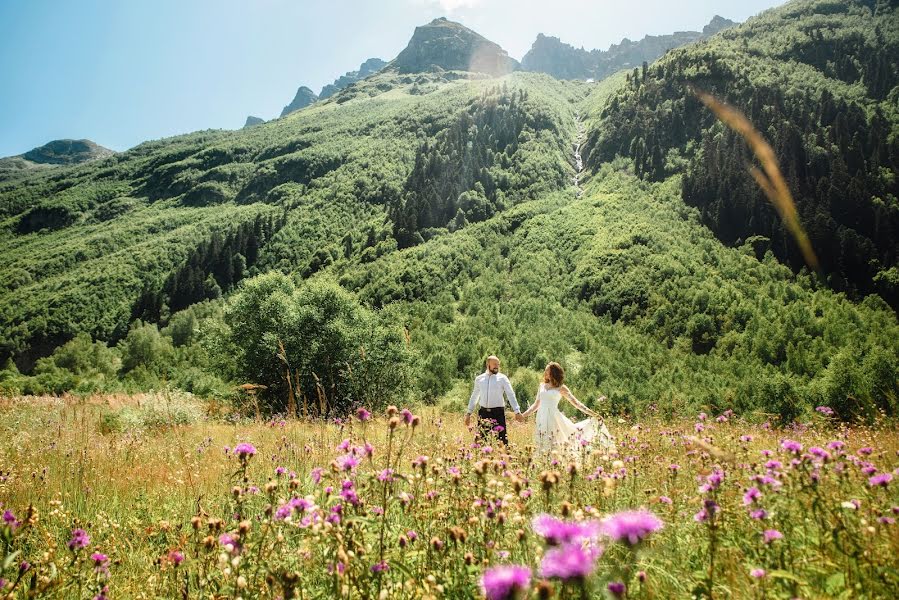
(631, 527)
(751, 495)
(616, 588)
(245, 450)
(882, 480)
(770, 535)
(79, 540)
(791, 446)
(757, 573)
(571, 561)
(557, 532)
(505, 582)
(362, 414)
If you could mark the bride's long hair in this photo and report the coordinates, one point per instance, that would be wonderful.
(554, 374)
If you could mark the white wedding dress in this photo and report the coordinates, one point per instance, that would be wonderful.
(558, 436)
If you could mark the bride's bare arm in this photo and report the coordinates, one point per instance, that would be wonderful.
(577, 403)
(532, 408)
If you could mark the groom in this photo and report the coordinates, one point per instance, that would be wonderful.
(488, 391)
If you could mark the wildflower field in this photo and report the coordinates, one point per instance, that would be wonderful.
(407, 505)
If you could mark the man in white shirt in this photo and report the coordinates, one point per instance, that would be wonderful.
(489, 388)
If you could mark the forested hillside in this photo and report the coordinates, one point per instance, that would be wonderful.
(413, 222)
(819, 80)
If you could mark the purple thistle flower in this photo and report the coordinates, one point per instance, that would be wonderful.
(557, 532)
(407, 416)
(835, 445)
(770, 535)
(819, 453)
(664, 500)
(316, 475)
(229, 542)
(79, 540)
(825, 410)
(709, 509)
(386, 475)
(10, 519)
(751, 495)
(616, 588)
(791, 446)
(244, 450)
(631, 527)
(380, 567)
(176, 557)
(883, 480)
(362, 414)
(758, 514)
(347, 462)
(758, 573)
(571, 561)
(505, 582)
(99, 559)
(865, 451)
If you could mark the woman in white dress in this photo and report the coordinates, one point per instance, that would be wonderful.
(555, 433)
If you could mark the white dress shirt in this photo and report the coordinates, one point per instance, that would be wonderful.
(488, 391)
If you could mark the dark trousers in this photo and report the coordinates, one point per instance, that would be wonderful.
(488, 420)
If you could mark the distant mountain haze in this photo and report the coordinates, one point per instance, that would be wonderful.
(551, 55)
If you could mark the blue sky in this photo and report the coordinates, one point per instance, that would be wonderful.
(120, 72)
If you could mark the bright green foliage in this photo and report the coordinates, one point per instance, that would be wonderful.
(820, 81)
(336, 353)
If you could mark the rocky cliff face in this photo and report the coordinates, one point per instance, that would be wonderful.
(251, 121)
(443, 44)
(304, 98)
(563, 61)
(369, 67)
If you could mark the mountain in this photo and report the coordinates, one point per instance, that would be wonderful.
(562, 61)
(832, 127)
(303, 98)
(458, 213)
(450, 46)
(251, 121)
(57, 152)
(369, 67)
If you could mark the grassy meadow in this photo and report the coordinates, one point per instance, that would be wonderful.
(155, 496)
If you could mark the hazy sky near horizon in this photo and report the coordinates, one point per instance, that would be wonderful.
(120, 72)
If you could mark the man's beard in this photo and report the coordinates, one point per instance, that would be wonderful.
(494, 371)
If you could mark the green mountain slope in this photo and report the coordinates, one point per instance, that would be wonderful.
(446, 200)
(820, 80)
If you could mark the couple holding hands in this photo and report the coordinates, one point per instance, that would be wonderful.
(554, 433)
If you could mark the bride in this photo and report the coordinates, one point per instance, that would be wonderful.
(556, 433)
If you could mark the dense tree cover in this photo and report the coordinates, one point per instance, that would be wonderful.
(820, 80)
(172, 222)
(474, 168)
(640, 302)
(333, 353)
